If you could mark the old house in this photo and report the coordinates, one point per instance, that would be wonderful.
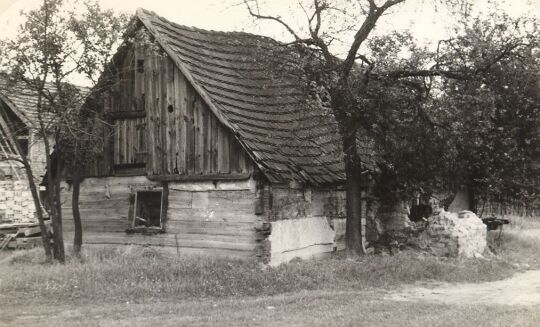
(215, 145)
(18, 124)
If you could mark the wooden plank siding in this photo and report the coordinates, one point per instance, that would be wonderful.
(161, 123)
(211, 220)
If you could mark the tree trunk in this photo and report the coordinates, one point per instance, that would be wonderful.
(354, 227)
(39, 210)
(78, 237)
(56, 210)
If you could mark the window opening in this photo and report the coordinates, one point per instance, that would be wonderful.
(147, 209)
(22, 140)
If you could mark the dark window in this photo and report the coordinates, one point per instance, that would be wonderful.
(23, 144)
(147, 209)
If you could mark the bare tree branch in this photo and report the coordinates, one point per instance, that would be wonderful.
(363, 32)
(276, 19)
(429, 73)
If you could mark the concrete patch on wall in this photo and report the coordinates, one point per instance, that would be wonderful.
(303, 238)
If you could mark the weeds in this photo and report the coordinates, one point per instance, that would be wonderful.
(129, 275)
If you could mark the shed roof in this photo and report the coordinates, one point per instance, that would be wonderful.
(22, 100)
(255, 86)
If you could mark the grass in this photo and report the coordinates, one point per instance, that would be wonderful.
(127, 287)
(314, 308)
(116, 276)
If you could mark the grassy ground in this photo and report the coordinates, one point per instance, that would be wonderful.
(305, 308)
(120, 276)
(130, 287)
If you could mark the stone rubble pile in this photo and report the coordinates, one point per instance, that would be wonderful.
(454, 235)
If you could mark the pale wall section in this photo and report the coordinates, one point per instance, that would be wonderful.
(203, 218)
(305, 223)
(300, 238)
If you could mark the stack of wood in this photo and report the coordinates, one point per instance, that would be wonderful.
(20, 235)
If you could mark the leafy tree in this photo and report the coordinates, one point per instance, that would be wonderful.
(496, 108)
(470, 119)
(57, 42)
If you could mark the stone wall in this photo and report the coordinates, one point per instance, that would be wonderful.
(296, 202)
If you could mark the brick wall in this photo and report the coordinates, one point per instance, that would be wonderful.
(16, 203)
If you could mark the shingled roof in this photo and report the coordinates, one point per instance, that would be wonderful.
(255, 86)
(22, 100)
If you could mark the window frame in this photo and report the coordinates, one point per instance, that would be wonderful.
(133, 212)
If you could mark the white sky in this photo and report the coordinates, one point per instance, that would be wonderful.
(227, 15)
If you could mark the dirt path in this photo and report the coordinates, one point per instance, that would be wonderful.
(521, 289)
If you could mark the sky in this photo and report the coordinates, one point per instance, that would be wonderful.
(426, 22)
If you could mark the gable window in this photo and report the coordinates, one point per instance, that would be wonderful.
(22, 140)
(147, 213)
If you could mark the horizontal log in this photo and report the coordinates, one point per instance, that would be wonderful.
(195, 252)
(100, 204)
(199, 178)
(174, 226)
(164, 240)
(212, 215)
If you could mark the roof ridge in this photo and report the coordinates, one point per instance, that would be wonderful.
(141, 11)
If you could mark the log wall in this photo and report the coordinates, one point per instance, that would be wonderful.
(202, 218)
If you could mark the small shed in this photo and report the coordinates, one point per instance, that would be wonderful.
(18, 124)
(215, 145)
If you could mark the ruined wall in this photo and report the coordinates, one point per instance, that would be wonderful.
(454, 235)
